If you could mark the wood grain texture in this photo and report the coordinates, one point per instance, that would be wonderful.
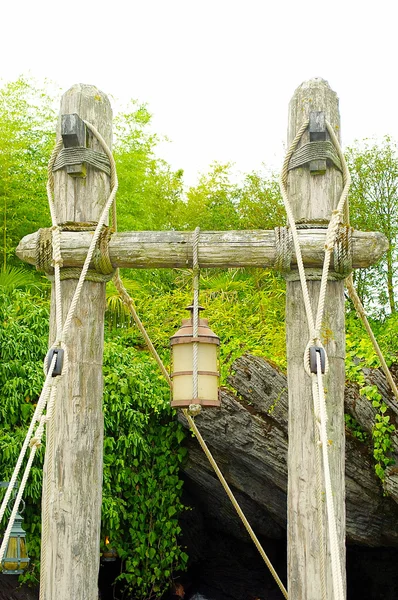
(173, 249)
(75, 477)
(313, 197)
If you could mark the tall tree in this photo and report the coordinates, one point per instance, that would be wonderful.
(213, 203)
(374, 206)
(150, 192)
(261, 205)
(26, 137)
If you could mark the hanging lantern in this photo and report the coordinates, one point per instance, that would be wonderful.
(182, 348)
(16, 560)
(109, 554)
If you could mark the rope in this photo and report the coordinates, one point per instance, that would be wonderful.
(103, 269)
(283, 249)
(361, 313)
(68, 157)
(314, 328)
(32, 439)
(342, 251)
(317, 150)
(195, 408)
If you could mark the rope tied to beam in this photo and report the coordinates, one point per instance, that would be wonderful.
(342, 251)
(283, 249)
(48, 252)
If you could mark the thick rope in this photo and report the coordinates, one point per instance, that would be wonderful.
(317, 150)
(195, 408)
(314, 328)
(32, 439)
(283, 249)
(103, 269)
(77, 155)
(361, 313)
(342, 252)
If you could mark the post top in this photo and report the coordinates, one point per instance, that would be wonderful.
(316, 91)
(314, 82)
(88, 92)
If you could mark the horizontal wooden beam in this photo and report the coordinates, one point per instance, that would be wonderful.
(217, 249)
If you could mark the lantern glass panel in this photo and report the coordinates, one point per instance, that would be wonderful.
(16, 549)
(207, 357)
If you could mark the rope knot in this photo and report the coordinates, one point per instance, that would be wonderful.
(35, 442)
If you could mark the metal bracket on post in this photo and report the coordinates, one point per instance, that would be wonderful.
(74, 135)
(314, 350)
(317, 129)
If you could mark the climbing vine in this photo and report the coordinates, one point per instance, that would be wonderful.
(360, 354)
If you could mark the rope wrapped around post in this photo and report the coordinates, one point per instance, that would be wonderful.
(103, 269)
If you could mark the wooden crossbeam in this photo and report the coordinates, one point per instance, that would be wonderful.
(218, 249)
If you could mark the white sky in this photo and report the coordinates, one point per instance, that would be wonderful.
(217, 75)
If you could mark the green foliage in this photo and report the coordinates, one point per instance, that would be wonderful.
(360, 354)
(14, 277)
(260, 202)
(27, 125)
(374, 207)
(23, 344)
(356, 430)
(213, 203)
(142, 489)
(149, 195)
(142, 444)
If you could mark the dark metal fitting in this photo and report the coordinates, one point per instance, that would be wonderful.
(314, 350)
(59, 361)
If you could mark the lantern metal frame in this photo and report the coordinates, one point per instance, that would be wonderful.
(185, 336)
(19, 534)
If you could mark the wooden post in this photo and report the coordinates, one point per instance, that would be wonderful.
(313, 197)
(74, 479)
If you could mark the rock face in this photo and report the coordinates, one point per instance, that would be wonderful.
(248, 438)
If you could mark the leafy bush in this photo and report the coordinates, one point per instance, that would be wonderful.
(142, 452)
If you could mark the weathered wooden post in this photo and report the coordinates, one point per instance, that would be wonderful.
(71, 552)
(314, 191)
